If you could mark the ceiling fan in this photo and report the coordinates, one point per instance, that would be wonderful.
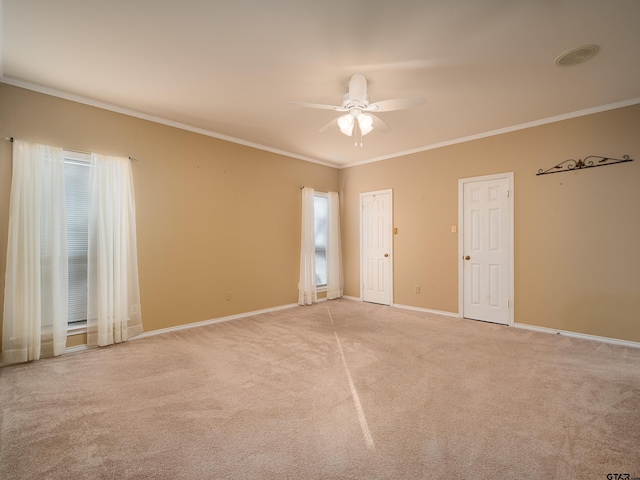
(359, 118)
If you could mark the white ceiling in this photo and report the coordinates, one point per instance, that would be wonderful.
(229, 68)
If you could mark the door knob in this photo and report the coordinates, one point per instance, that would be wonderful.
(386, 254)
(467, 257)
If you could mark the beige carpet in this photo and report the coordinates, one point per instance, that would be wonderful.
(342, 389)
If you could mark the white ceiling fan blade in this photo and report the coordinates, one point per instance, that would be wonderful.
(398, 65)
(332, 124)
(358, 88)
(379, 125)
(395, 104)
(319, 106)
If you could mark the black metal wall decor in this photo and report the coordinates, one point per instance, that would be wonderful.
(571, 164)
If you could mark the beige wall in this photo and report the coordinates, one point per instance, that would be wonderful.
(212, 216)
(215, 217)
(576, 233)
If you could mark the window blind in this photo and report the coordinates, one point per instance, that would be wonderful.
(76, 177)
(321, 213)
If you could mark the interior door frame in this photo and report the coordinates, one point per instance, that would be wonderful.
(461, 182)
(361, 207)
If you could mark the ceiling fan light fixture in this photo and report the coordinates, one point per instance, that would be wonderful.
(365, 122)
(345, 123)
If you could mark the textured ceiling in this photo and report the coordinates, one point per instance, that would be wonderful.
(229, 68)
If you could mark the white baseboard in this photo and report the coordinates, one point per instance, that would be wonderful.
(410, 307)
(583, 336)
(566, 333)
(524, 326)
(348, 297)
(212, 321)
(426, 310)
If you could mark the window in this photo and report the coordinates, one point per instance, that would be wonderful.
(321, 215)
(38, 265)
(76, 179)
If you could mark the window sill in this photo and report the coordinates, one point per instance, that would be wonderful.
(78, 328)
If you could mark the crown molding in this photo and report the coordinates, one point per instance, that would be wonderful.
(153, 118)
(500, 131)
(239, 141)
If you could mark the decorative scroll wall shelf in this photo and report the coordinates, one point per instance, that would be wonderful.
(571, 164)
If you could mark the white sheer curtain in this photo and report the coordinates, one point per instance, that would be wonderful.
(113, 291)
(35, 307)
(307, 292)
(335, 280)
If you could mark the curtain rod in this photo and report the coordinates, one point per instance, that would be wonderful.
(11, 139)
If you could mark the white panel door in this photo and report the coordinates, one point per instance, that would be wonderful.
(376, 248)
(486, 250)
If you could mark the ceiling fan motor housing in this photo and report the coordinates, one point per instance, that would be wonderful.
(349, 103)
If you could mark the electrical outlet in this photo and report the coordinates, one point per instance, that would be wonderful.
(417, 288)
(228, 296)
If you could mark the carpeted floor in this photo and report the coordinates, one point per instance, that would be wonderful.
(339, 390)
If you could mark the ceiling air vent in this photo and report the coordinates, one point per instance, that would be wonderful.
(577, 55)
